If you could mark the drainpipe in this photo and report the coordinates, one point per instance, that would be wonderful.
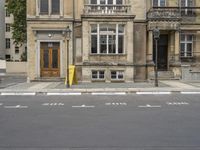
(180, 30)
(73, 38)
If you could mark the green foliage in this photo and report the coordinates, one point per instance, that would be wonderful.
(18, 9)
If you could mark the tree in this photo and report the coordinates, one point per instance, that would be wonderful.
(18, 9)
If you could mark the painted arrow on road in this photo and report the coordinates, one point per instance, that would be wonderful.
(150, 106)
(83, 106)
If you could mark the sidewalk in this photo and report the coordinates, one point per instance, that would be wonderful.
(19, 84)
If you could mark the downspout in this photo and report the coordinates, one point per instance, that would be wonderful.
(73, 38)
(180, 9)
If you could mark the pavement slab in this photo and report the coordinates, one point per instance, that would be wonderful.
(19, 84)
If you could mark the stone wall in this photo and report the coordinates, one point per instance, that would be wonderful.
(190, 72)
(87, 75)
(16, 67)
(140, 48)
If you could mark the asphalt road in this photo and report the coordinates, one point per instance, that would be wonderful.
(131, 122)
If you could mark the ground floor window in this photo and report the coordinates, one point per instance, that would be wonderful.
(187, 45)
(117, 75)
(98, 74)
(8, 57)
(107, 39)
(16, 50)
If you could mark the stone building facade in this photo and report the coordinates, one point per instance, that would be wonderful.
(13, 52)
(178, 21)
(112, 40)
(2, 29)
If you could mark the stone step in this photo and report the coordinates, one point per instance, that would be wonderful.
(162, 75)
(49, 79)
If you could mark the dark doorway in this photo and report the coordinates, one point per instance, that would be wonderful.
(162, 52)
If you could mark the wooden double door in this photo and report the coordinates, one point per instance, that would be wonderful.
(50, 59)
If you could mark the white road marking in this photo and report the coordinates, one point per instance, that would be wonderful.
(53, 104)
(177, 103)
(54, 94)
(112, 93)
(190, 92)
(18, 94)
(83, 106)
(1, 104)
(153, 93)
(116, 104)
(17, 106)
(149, 106)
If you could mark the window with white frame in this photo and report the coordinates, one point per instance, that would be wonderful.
(117, 75)
(55, 6)
(107, 39)
(187, 45)
(187, 3)
(7, 27)
(47, 7)
(106, 2)
(7, 43)
(7, 13)
(159, 3)
(98, 74)
(44, 7)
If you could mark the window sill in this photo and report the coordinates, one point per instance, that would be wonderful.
(187, 57)
(117, 80)
(98, 80)
(49, 15)
(107, 54)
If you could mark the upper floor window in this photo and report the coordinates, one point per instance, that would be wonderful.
(106, 2)
(187, 3)
(107, 39)
(55, 6)
(7, 13)
(7, 27)
(49, 7)
(44, 6)
(187, 45)
(7, 43)
(159, 3)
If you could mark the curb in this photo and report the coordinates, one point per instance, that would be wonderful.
(17, 93)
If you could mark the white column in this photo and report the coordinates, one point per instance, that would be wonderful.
(177, 45)
(37, 7)
(50, 10)
(172, 46)
(129, 41)
(150, 47)
(61, 7)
